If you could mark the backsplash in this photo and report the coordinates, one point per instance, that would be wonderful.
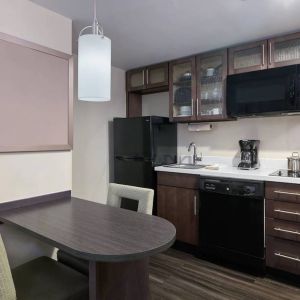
(279, 137)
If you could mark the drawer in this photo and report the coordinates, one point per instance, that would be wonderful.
(283, 229)
(283, 255)
(178, 180)
(283, 192)
(283, 210)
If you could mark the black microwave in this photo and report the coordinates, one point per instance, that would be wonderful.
(266, 92)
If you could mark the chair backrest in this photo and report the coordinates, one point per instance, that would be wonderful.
(7, 287)
(144, 196)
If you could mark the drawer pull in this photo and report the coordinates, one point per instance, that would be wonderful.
(287, 257)
(287, 212)
(285, 230)
(287, 193)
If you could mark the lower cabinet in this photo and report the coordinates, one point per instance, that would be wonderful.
(180, 204)
(283, 227)
(283, 255)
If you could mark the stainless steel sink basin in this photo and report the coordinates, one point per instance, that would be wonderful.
(186, 166)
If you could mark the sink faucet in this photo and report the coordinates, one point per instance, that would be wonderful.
(195, 156)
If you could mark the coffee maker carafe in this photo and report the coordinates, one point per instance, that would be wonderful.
(249, 154)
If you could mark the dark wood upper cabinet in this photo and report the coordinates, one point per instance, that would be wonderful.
(284, 51)
(197, 84)
(153, 76)
(197, 87)
(211, 85)
(136, 79)
(273, 53)
(182, 89)
(157, 75)
(248, 57)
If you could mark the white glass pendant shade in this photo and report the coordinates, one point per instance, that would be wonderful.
(94, 68)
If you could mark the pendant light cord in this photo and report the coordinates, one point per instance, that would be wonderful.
(95, 11)
(97, 28)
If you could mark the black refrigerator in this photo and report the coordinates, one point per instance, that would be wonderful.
(140, 144)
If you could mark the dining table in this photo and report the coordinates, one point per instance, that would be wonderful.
(116, 242)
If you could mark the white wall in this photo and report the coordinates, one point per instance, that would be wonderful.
(31, 22)
(93, 148)
(279, 135)
(25, 175)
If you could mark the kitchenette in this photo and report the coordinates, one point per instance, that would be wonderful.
(163, 166)
(230, 182)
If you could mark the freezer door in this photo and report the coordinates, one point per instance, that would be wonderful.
(132, 137)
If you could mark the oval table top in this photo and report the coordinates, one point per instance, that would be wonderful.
(93, 231)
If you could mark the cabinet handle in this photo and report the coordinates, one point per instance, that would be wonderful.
(286, 193)
(197, 107)
(270, 53)
(143, 77)
(287, 257)
(287, 231)
(192, 106)
(195, 205)
(147, 76)
(287, 212)
(263, 54)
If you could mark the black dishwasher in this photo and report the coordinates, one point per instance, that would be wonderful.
(231, 222)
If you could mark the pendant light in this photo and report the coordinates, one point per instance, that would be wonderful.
(94, 63)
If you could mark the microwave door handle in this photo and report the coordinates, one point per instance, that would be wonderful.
(292, 91)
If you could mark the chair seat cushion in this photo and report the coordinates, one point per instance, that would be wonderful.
(47, 279)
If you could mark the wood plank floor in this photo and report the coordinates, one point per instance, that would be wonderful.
(175, 275)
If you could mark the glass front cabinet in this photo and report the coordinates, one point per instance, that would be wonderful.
(273, 53)
(182, 89)
(211, 85)
(248, 57)
(284, 51)
(197, 87)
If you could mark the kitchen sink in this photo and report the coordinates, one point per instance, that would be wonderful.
(186, 166)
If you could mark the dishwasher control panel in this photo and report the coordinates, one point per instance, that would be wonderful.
(232, 187)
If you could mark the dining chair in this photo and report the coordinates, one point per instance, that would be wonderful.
(119, 192)
(116, 194)
(42, 278)
(7, 287)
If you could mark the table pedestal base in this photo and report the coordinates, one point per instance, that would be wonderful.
(119, 281)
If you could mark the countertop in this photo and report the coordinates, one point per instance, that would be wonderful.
(226, 170)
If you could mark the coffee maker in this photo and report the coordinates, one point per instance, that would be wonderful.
(249, 154)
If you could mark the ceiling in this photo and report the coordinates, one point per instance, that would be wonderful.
(149, 31)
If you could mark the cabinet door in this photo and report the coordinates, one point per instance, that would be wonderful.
(211, 79)
(157, 75)
(284, 51)
(182, 89)
(248, 57)
(136, 79)
(180, 207)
